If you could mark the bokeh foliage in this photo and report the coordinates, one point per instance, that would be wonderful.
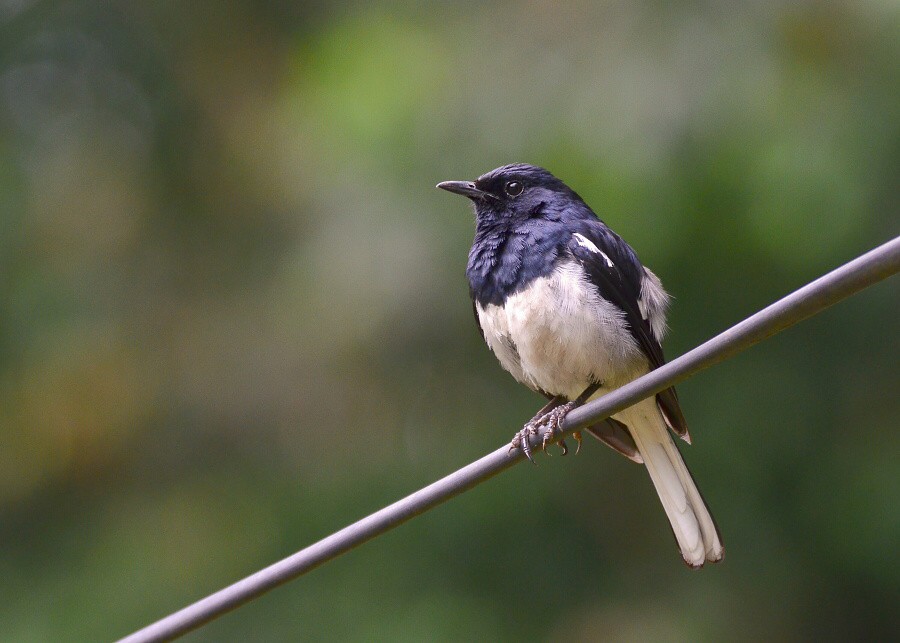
(233, 316)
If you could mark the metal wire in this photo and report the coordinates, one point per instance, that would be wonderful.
(850, 278)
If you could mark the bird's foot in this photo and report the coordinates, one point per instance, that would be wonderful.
(552, 421)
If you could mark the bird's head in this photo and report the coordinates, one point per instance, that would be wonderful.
(515, 192)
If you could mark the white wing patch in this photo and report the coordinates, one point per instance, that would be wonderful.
(584, 242)
(653, 303)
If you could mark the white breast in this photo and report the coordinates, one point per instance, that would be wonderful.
(559, 336)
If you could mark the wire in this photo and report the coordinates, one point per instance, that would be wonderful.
(874, 266)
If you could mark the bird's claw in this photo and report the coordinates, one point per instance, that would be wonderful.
(552, 420)
(565, 447)
(522, 440)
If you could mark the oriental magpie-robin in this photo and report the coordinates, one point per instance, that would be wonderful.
(570, 311)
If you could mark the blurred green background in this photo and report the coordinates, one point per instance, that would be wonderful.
(234, 318)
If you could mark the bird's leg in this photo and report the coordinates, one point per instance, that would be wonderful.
(554, 419)
(521, 439)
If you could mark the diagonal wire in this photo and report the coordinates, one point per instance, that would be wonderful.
(875, 265)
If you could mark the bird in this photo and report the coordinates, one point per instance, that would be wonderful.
(569, 311)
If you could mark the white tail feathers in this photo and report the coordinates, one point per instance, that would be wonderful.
(694, 528)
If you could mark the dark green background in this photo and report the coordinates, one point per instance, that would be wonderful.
(233, 314)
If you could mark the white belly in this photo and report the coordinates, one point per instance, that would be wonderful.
(559, 336)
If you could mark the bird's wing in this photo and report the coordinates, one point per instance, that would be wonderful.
(612, 267)
(615, 272)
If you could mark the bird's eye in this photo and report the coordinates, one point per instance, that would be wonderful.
(514, 188)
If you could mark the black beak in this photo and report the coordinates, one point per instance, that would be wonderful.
(466, 188)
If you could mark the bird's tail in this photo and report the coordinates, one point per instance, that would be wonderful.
(695, 530)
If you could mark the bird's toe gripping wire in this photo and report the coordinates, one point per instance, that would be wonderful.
(551, 421)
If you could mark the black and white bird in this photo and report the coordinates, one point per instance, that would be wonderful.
(570, 311)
